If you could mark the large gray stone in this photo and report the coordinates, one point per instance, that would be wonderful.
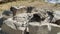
(46, 28)
(9, 30)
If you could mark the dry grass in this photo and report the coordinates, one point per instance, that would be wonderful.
(6, 6)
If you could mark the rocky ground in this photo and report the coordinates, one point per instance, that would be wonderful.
(39, 4)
